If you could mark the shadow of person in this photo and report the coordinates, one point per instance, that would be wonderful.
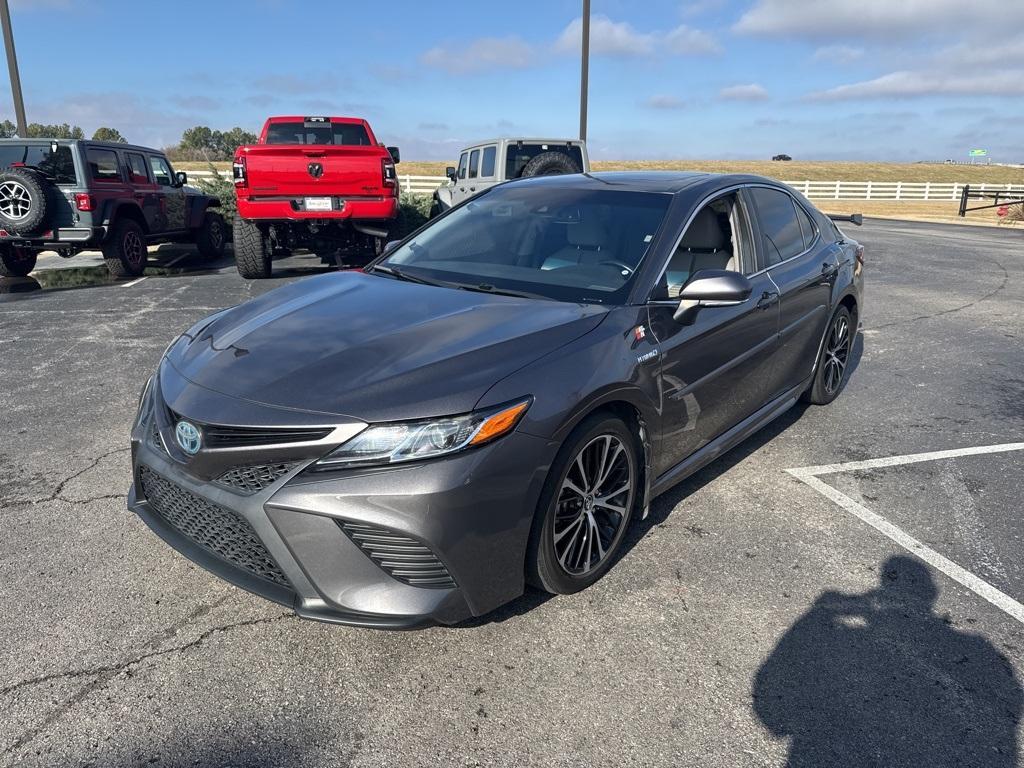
(879, 679)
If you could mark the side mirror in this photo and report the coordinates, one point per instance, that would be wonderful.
(711, 288)
(396, 155)
(451, 173)
(389, 246)
(182, 178)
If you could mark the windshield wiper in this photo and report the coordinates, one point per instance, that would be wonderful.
(488, 288)
(400, 275)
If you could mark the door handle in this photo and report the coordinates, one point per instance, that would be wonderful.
(768, 299)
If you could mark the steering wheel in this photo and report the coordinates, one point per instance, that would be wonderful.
(621, 265)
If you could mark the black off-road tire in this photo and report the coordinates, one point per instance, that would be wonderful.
(542, 567)
(550, 164)
(212, 236)
(252, 250)
(827, 383)
(23, 202)
(16, 261)
(125, 252)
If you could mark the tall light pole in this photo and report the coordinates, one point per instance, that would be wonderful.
(12, 68)
(584, 69)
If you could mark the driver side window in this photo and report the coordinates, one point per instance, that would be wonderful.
(718, 237)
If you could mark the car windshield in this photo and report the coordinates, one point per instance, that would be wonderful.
(544, 241)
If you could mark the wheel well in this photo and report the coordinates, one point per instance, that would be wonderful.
(130, 212)
(851, 304)
(633, 419)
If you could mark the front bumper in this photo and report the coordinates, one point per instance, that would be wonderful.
(471, 512)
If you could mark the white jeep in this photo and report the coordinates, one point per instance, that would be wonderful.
(491, 162)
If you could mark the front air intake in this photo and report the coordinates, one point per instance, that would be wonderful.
(401, 557)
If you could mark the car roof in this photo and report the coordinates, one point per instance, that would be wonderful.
(666, 182)
(90, 142)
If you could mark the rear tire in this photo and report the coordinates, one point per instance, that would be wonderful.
(550, 164)
(582, 516)
(23, 201)
(212, 236)
(830, 372)
(252, 250)
(125, 251)
(16, 261)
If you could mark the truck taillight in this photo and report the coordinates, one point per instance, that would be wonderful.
(84, 201)
(238, 172)
(388, 173)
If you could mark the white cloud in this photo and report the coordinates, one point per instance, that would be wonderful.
(915, 84)
(607, 37)
(877, 19)
(838, 54)
(485, 53)
(687, 41)
(664, 101)
(749, 92)
(619, 38)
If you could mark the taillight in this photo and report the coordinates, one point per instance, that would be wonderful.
(84, 201)
(859, 255)
(238, 172)
(388, 173)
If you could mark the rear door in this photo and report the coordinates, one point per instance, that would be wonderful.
(804, 270)
(147, 193)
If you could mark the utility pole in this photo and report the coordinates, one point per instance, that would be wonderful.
(12, 68)
(584, 69)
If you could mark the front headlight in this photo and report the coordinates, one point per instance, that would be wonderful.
(411, 440)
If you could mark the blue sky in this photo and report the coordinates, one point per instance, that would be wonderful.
(818, 79)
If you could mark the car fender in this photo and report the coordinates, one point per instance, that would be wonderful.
(198, 205)
(115, 209)
(443, 195)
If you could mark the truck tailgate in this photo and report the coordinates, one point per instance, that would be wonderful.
(302, 170)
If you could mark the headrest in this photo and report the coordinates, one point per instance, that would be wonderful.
(704, 233)
(587, 233)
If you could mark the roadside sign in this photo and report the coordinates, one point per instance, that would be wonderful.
(978, 153)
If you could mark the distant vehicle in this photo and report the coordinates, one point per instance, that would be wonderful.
(321, 183)
(781, 158)
(69, 196)
(495, 400)
(491, 162)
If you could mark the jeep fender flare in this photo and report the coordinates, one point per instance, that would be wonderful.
(198, 208)
(117, 209)
(443, 195)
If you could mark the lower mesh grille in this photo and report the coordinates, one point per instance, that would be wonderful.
(249, 480)
(403, 558)
(213, 528)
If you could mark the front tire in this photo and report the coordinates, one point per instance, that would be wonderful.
(16, 261)
(830, 373)
(585, 507)
(212, 236)
(252, 250)
(125, 252)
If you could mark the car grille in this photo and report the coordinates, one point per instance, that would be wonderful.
(154, 436)
(403, 558)
(213, 528)
(250, 480)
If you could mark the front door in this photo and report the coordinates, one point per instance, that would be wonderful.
(171, 195)
(715, 372)
(461, 189)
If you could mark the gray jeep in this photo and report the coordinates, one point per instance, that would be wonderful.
(69, 196)
(491, 162)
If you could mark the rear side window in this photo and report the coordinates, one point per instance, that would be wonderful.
(137, 168)
(780, 228)
(807, 228)
(103, 165)
(463, 163)
(59, 165)
(339, 134)
(487, 163)
(474, 163)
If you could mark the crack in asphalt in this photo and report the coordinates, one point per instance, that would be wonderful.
(103, 674)
(58, 492)
(986, 297)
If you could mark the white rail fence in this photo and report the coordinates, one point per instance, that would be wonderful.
(816, 190)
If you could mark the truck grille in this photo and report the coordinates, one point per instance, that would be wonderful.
(217, 530)
(401, 557)
(250, 480)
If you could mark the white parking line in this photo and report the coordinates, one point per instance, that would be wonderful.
(133, 282)
(809, 476)
(183, 256)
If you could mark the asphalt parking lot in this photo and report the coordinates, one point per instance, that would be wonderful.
(755, 618)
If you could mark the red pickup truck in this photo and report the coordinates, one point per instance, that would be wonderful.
(321, 183)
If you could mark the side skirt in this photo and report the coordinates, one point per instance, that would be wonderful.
(726, 441)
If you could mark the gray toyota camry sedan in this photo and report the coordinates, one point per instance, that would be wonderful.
(494, 400)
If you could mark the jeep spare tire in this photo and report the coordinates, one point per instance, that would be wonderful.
(22, 201)
(550, 164)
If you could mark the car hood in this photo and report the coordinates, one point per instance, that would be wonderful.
(373, 348)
